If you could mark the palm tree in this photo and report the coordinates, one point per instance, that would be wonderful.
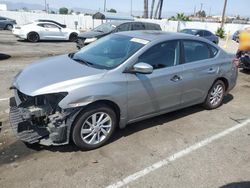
(160, 10)
(145, 9)
(157, 9)
(152, 9)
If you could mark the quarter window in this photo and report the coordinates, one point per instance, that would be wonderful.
(162, 55)
(195, 51)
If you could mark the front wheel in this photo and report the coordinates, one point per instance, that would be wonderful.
(215, 95)
(94, 126)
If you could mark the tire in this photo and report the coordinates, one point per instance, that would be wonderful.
(87, 136)
(73, 37)
(33, 37)
(215, 100)
(9, 27)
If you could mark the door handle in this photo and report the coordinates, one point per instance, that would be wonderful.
(211, 71)
(176, 78)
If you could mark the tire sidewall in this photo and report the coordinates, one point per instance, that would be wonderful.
(81, 118)
(33, 33)
(207, 103)
(74, 39)
(9, 27)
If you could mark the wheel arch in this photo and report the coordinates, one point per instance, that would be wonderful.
(78, 113)
(225, 81)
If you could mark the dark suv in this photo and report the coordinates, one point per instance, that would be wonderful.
(6, 23)
(113, 27)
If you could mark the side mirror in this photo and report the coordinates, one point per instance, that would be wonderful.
(142, 68)
(197, 35)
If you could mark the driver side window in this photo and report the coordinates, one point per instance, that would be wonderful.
(166, 54)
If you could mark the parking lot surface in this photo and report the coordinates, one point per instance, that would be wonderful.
(192, 147)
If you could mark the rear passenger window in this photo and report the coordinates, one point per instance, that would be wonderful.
(138, 26)
(162, 55)
(195, 51)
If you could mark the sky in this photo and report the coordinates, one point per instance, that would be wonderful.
(235, 7)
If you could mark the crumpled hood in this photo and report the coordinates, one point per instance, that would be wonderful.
(91, 34)
(55, 74)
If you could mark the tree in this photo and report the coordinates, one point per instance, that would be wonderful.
(179, 17)
(152, 9)
(201, 13)
(63, 10)
(158, 10)
(145, 15)
(112, 10)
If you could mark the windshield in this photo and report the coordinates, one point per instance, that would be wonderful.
(105, 28)
(189, 31)
(110, 51)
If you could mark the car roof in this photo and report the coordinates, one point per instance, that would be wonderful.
(117, 23)
(156, 35)
(197, 29)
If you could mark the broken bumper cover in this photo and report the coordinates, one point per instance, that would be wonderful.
(54, 132)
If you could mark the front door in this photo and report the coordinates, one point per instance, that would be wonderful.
(53, 32)
(160, 90)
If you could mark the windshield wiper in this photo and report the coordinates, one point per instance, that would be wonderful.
(83, 61)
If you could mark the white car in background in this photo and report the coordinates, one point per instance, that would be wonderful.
(36, 31)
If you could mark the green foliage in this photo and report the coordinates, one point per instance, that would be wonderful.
(112, 10)
(220, 33)
(63, 10)
(201, 13)
(179, 17)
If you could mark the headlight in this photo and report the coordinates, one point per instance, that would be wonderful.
(89, 40)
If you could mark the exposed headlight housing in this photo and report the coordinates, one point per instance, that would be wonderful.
(89, 40)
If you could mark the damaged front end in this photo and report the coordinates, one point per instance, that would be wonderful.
(39, 119)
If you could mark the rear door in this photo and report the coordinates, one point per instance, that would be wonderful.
(161, 90)
(200, 71)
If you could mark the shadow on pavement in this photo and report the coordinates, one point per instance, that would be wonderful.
(245, 71)
(24, 150)
(4, 56)
(245, 184)
(43, 41)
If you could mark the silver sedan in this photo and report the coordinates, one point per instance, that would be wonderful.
(119, 79)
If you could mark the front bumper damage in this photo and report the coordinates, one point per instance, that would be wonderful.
(40, 120)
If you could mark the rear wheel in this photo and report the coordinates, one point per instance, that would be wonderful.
(9, 27)
(33, 37)
(94, 126)
(73, 37)
(215, 95)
